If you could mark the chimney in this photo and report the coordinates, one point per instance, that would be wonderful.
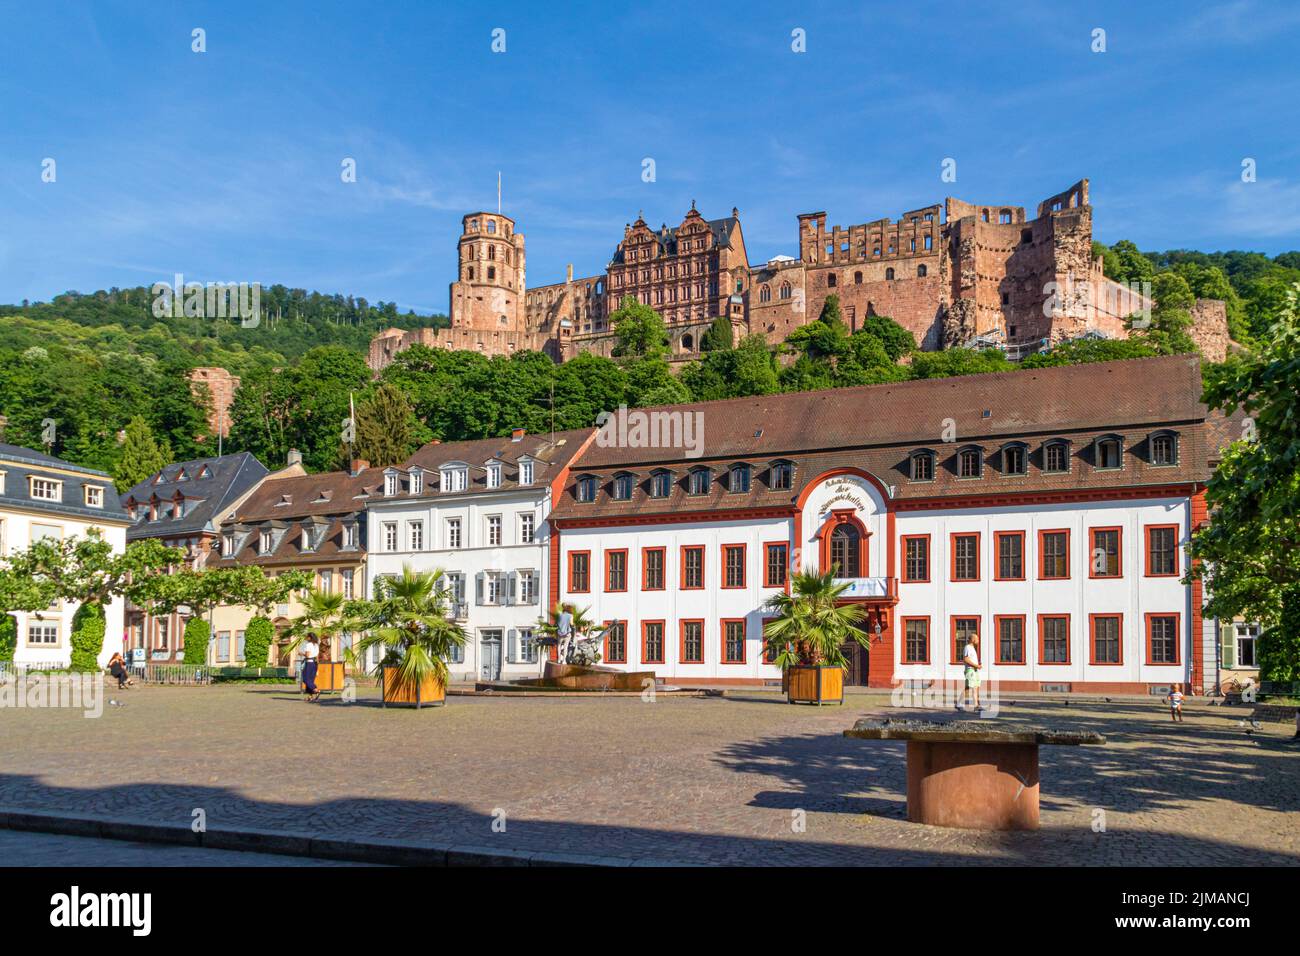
(357, 466)
(295, 457)
(569, 277)
(516, 434)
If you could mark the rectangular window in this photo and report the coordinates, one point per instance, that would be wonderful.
(580, 571)
(652, 569)
(1162, 550)
(776, 560)
(453, 532)
(1244, 636)
(616, 642)
(692, 567)
(1106, 630)
(526, 527)
(692, 650)
(46, 490)
(494, 530)
(415, 535)
(94, 496)
(1053, 639)
(390, 535)
(1104, 553)
(966, 557)
(1162, 638)
(962, 627)
(616, 569)
(43, 633)
(527, 587)
(733, 641)
(652, 642)
(916, 558)
(1011, 638)
(1011, 555)
(223, 645)
(916, 640)
(733, 564)
(347, 574)
(1054, 555)
(522, 649)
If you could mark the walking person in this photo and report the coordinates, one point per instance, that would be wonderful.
(1175, 699)
(117, 667)
(970, 656)
(564, 631)
(310, 650)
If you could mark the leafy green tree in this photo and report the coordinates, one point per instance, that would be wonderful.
(198, 634)
(1249, 552)
(718, 336)
(384, 425)
(87, 639)
(959, 362)
(650, 381)
(639, 331)
(141, 456)
(748, 369)
(8, 636)
(1129, 263)
(896, 340)
(1083, 351)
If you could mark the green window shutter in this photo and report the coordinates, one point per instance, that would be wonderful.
(1228, 642)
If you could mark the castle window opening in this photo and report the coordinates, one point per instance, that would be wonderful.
(889, 273)
(492, 226)
(1026, 236)
(929, 243)
(765, 294)
(1004, 216)
(857, 278)
(920, 271)
(830, 280)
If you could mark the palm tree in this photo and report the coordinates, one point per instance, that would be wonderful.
(811, 623)
(583, 628)
(322, 615)
(408, 619)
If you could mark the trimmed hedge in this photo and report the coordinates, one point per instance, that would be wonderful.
(197, 635)
(88, 628)
(8, 636)
(257, 642)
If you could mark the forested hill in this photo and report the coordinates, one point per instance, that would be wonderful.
(122, 322)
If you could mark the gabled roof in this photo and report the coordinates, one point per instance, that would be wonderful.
(549, 456)
(19, 464)
(209, 486)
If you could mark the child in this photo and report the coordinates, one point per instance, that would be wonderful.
(1175, 699)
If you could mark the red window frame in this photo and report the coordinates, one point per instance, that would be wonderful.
(663, 569)
(929, 558)
(573, 589)
(681, 647)
(610, 552)
(1119, 552)
(663, 642)
(952, 554)
(726, 551)
(997, 638)
(1042, 555)
(952, 633)
(703, 567)
(784, 563)
(1178, 560)
(1178, 636)
(903, 631)
(1092, 639)
(997, 556)
(605, 642)
(743, 641)
(1054, 617)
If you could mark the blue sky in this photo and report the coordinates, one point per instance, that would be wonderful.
(225, 165)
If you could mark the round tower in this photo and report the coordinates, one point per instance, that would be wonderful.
(489, 287)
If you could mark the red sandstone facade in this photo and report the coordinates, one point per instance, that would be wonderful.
(953, 274)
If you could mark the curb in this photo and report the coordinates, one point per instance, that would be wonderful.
(374, 850)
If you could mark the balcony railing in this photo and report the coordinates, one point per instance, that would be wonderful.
(879, 587)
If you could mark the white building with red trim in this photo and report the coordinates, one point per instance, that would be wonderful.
(1048, 510)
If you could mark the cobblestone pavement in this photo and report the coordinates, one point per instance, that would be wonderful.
(51, 849)
(713, 780)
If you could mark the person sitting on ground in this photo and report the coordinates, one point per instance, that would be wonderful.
(117, 667)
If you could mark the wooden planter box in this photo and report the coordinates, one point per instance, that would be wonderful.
(823, 684)
(329, 676)
(431, 692)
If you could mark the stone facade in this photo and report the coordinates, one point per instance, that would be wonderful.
(221, 386)
(954, 274)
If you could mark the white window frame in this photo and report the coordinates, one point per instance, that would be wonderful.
(94, 496)
(494, 475)
(495, 532)
(54, 485)
(527, 527)
(47, 627)
(455, 538)
(415, 535)
(389, 531)
(526, 472)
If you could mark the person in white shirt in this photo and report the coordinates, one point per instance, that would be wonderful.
(971, 658)
(310, 650)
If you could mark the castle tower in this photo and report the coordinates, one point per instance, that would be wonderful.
(488, 293)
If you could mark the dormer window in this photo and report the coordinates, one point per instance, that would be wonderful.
(305, 542)
(228, 546)
(1164, 449)
(623, 487)
(349, 536)
(922, 465)
(181, 476)
(782, 475)
(661, 484)
(46, 489)
(1056, 457)
(95, 496)
(587, 485)
(700, 480)
(417, 481)
(526, 472)
(494, 475)
(1014, 459)
(390, 484)
(453, 479)
(205, 472)
(264, 544)
(738, 478)
(1109, 453)
(970, 463)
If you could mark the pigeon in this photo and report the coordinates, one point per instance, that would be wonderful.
(1255, 723)
(1067, 703)
(116, 703)
(1106, 699)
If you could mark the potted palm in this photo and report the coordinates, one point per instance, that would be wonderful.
(409, 621)
(806, 635)
(580, 646)
(322, 615)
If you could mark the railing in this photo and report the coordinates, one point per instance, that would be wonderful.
(178, 674)
(879, 587)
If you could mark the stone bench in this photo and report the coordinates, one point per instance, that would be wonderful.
(971, 773)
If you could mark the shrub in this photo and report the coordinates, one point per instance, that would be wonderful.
(8, 636)
(257, 642)
(1279, 646)
(88, 628)
(197, 634)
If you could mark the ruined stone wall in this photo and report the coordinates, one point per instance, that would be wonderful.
(221, 387)
(1210, 329)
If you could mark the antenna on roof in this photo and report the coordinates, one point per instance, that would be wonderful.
(498, 192)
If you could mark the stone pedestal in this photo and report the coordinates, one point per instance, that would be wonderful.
(984, 786)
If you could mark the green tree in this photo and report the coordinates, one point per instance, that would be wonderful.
(639, 331)
(198, 634)
(951, 362)
(258, 636)
(141, 455)
(87, 639)
(8, 636)
(384, 425)
(408, 620)
(811, 623)
(718, 336)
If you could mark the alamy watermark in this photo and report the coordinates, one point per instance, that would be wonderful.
(83, 691)
(216, 300)
(654, 428)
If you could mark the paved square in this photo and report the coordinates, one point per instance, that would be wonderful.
(715, 781)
